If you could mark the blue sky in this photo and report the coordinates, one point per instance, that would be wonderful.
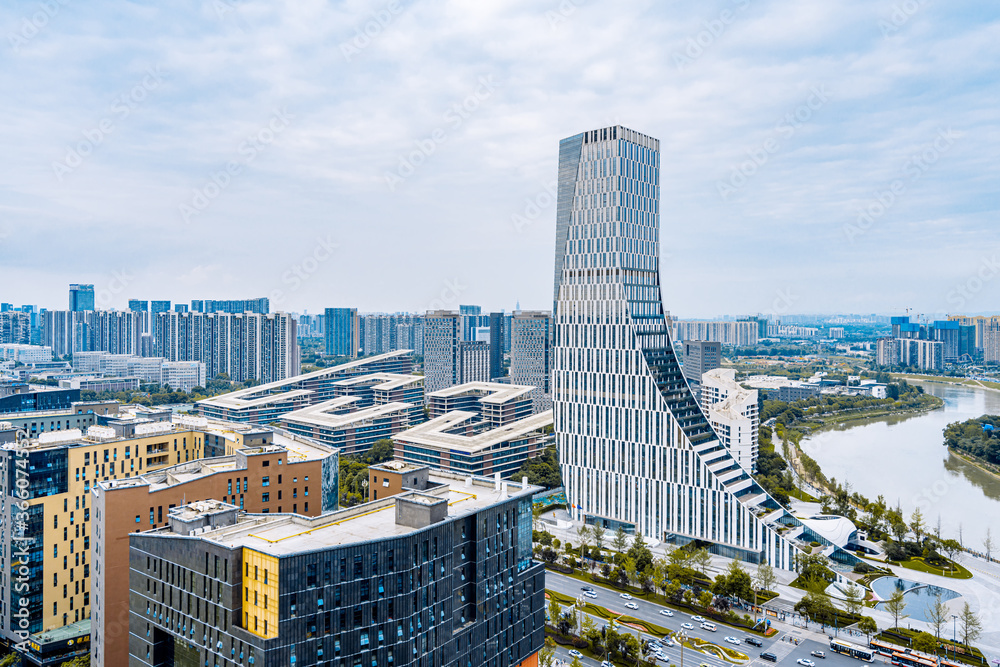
(817, 157)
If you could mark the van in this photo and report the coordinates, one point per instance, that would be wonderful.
(768, 656)
(708, 625)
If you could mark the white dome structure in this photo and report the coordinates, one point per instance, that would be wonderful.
(837, 530)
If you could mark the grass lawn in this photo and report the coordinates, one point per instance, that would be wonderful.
(919, 565)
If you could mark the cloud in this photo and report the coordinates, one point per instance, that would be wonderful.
(372, 85)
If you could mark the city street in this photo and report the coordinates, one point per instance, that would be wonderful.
(787, 652)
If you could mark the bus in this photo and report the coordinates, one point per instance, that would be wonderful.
(909, 657)
(852, 650)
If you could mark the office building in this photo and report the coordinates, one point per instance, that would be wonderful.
(473, 361)
(442, 335)
(81, 298)
(268, 402)
(442, 577)
(531, 354)
(497, 321)
(268, 471)
(798, 391)
(700, 356)
(25, 354)
(478, 428)
(634, 447)
(368, 408)
(342, 335)
(738, 334)
(733, 413)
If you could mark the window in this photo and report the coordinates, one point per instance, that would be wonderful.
(265, 497)
(137, 518)
(364, 639)
(265, 481)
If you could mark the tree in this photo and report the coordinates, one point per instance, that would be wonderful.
(640, 553)
(988, 545)
(895, 605)
(555, 611)
(702, 560)
(382, 451)
(620, 541)
(599, 534)
(547, 656)
(925, 642)
(951, 548)
(705, 599)
(854, 599)
(868, 626)
(937, 615)
(583, 532)
(970, 624)
(917, 524)
(576, 662)
(765, 578)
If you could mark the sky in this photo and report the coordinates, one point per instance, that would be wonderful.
(816, 157)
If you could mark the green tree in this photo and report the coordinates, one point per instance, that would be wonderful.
(970, 625)
(383, 450)
(576, 662)
(547, 656)
(599, 534)
(620, 541)
(868, 626)
(542, 470)
(705, 599)
(702, 560)
(765, 578)
(895, 605)
(854, 599)
(917, 524)
(640, 553)
(555, 611)
(937, 615)
(583, 532)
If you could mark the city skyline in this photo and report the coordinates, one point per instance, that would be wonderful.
(207, 163)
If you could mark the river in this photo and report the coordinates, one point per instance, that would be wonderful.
(904, 459)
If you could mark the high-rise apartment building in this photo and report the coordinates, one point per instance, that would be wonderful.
(155, 308)
(635, 448)
(497, 322)
(734, 414)
(342, 335)
(442, 334)
(246, 346)
(377, 333)
(81, 297)
(738, 334)
(473, 361)
(260, 305)
(531, 354)
(438, 575)
(15, 327)
(700, 356)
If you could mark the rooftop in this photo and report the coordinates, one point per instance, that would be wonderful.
(434, 433)
(274, 391)
(285, 534)
(336, 413)
(493, 392)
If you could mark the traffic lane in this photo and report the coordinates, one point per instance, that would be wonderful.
(807, 646)
(562, 653)
(647, 611)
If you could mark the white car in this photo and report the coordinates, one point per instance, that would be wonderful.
(631, 605)
(590, 594)
(666, 612)
(625, 596)
(806, 663)
(605, 663)
(698, 619)
(576, 654)
(733, 640)
(687, 626)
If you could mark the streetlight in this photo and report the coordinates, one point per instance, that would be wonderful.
(682, 637)
(954, 634)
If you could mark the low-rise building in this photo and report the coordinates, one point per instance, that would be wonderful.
(269, 402)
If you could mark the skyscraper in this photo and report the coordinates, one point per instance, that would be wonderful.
(81, 297)
(700, 356)
(531, 354)
(341, 332)
(635, 449)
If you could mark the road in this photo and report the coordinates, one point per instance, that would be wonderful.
(787, 652)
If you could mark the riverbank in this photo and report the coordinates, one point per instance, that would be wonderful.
(944, 379)
(988, 468)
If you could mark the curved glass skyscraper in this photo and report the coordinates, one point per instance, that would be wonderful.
(634, 446)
